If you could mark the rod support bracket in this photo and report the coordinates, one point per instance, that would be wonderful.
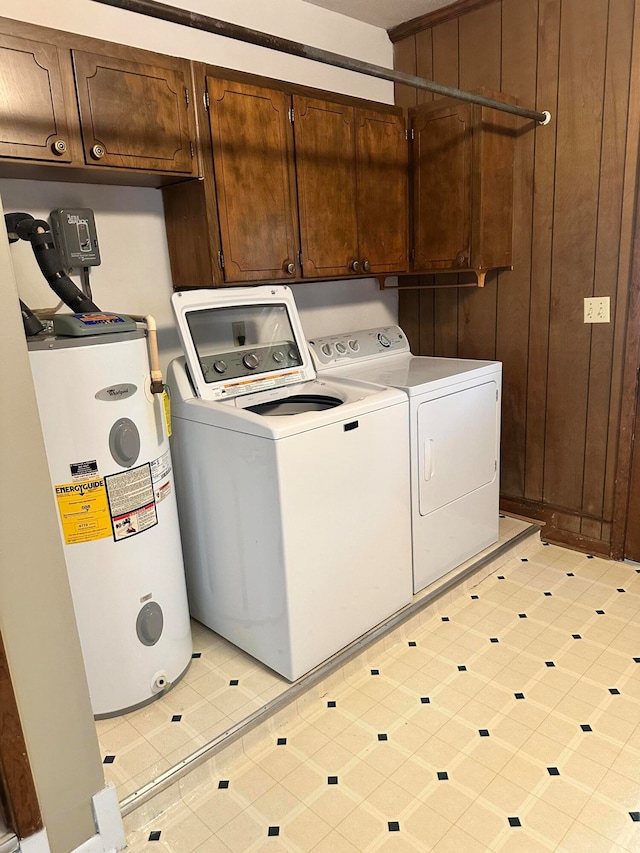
(546, 119)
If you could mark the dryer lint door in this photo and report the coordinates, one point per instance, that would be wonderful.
(457, 445)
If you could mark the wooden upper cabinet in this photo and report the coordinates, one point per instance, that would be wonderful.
(462, 174)
(134, 115)
(34, 121)
(382, 206)
(441, 161)
(351, 167)
(252, 140)
(326, 174)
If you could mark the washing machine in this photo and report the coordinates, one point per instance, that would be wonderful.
(292, 489)
(454, 427)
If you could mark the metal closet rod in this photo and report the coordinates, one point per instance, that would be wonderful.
(234, 31)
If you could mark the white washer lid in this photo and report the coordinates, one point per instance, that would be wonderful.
(415, 374)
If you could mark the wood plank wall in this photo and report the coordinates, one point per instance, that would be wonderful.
(572, 239)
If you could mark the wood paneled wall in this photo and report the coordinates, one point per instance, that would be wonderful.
(574, 194)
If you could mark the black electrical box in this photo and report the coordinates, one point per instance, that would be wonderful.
(75, 235)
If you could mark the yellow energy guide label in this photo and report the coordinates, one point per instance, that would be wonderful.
(84, 510)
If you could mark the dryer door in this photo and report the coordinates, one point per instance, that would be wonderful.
(457, 444)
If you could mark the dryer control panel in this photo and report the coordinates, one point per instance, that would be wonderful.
(356, 347)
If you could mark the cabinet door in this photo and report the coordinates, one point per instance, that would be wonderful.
(381, 159)
(34, 122)
(255, 183)
(441, 161)
(326, 174)
(133, 115)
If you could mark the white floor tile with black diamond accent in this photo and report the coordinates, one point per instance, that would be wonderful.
(503, 717)
(222, 687)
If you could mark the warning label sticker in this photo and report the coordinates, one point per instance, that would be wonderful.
(131, 502)
(84, 510)
(160, 475)
(83, 470)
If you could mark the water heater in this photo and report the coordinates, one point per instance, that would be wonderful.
(108, 452)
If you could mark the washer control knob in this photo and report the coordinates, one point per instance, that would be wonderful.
(384, 340)
(251, 360)
(341, 348)
(278, 356)
(354, 345)
(219, 366)
(327, 349)
(293, 355)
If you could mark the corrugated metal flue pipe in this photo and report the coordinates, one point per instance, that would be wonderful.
(234, 31)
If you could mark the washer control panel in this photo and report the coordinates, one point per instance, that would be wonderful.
(354, 347)
(246, 361)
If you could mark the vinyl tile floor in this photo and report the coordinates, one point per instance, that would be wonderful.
(221, 688)
(505, 716)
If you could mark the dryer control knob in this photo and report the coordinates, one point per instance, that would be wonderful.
(293, 355)
(354, 345)
(326, 349)
(219, 366)
(341, 348)
(251, 360)
(384, 340)
(278, 356)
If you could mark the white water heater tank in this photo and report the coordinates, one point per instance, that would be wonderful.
(110, 465)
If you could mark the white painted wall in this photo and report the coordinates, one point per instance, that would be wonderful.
(135, 274)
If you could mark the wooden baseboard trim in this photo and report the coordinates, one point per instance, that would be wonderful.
(551, 531)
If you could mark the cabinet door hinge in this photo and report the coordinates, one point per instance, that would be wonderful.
(291, 115)
(497, 395)
(192, 149)
(300, 258)
(412, 254)
(186, 95)
(205, 98)
(221, 260)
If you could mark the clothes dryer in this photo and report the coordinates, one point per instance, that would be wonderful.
(292, 490)
(454, 427)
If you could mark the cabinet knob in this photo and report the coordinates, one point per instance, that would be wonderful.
(354, 266)
(59, 146)
(290, 268)
(461, 259)
(97, 151)
(366, 266)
